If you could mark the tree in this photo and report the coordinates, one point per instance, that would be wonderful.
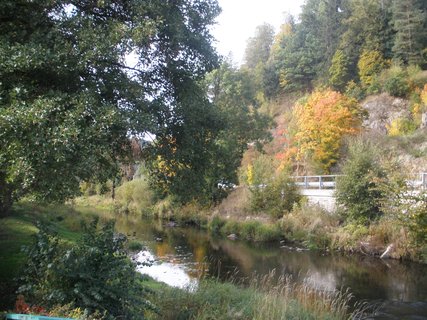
(258, 47)
(309, 50)
(69, 100)
(370, 64)
(338, 72)
(203, 174)
(322, 122)
(359, 187)
(409, 21)
(366, 26)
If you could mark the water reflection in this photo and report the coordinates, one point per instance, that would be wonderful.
(196, 253)
(172, 274)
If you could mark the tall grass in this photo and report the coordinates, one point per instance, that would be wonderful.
(310, 225)
(246, 230)
(266, 298)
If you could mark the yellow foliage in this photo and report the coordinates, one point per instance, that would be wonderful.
(321, 124)
(400, 126)
(370, 64)
(423, 95)
(250, 175)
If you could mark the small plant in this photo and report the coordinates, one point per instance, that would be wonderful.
(134, 245)
(216, 224)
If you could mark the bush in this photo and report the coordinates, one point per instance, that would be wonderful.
(310, 225)
(358, 190)
(401, 127)
(395, 81)
(135, 196)
(216, 224)
(88, 189)
(276, 198)
(354, 91)
(135, 245)
(95, 274)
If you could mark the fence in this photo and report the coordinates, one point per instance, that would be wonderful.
(418, 181)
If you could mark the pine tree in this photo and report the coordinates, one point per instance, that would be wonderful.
(409, 24)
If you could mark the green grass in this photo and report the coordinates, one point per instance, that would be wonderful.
(246, 230)
(263, 299)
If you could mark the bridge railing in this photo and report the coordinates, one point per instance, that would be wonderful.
(417, 181)
(316, 182)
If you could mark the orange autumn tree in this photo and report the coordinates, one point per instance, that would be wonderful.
(321, 123)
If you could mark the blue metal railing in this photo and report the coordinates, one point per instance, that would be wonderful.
(17, 316)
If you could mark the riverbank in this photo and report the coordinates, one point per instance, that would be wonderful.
(212, 299)
(305, 226)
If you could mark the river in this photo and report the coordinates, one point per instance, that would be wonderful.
(181, 255)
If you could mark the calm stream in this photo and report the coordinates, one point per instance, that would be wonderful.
(182, 255)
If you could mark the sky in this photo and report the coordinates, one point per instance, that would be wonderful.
(239, 19)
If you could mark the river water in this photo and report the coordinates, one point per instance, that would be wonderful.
(181, 255)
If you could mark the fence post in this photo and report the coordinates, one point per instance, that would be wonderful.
(305, 182)
(320, 182)
(424, 180)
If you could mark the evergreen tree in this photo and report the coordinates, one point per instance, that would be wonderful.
(338, 72)
(409, 21)
(366, 27)
(258, 47)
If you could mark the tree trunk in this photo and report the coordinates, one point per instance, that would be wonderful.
(6, 196)
(6, 201)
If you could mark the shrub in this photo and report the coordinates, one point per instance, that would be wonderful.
(395, 82)
(410, 209)
(95, 274)
(401, 126)
(136, 196)
(134, 245)
(277, 197)
(310, 225)
(354, 91)
(215, 225)
(358, 189)
(322, 122)
(87, 188)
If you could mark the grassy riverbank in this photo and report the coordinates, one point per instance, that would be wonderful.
(264, 299)
(305, 225)
(212, 299)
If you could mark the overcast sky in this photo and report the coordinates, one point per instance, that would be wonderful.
(239, 18)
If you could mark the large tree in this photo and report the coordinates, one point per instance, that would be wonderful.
(259, 46)
(200, 162)
(409, 21)
(70, 98)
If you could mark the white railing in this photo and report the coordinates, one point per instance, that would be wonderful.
(419, 181)
(316, 182)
